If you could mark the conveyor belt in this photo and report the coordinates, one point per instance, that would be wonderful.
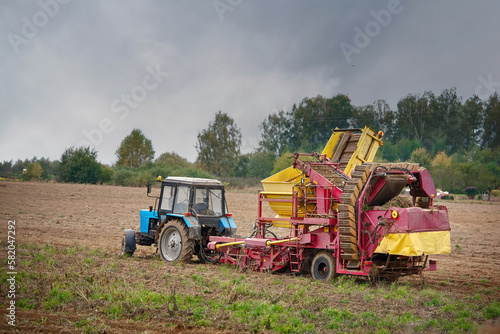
(347, 217)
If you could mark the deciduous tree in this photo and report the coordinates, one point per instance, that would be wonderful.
(413, 116)
(173, 159)
(314, 118)
(274, 133)
(491, 134)
(135, 150)
(261, 164)
(472, 124)
(219, 145)
(448, 110)
(421, 156)
(79, 165)
(34, 171)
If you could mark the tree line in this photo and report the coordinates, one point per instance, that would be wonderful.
(437, 123)
(135, 165)
(457, 139)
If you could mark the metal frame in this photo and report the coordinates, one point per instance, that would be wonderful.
(314, 226)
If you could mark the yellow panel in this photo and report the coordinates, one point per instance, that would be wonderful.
(280, 186)
(281, 224)
(286, 175)
(329, 147)
(415, 244)
(366, 149)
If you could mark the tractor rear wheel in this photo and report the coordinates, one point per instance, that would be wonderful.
(128, 243)
(323, 266)
(174, 244)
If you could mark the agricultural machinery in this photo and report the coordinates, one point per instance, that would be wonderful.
(344, 216)
(186, 213)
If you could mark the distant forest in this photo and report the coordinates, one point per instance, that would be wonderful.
(457, 139)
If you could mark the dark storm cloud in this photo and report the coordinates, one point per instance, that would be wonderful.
(86, 74)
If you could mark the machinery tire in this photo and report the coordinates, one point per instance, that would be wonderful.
(128, 243)
(323, 266)
(174, 244)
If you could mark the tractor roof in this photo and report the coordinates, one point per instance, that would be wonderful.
(192, 180)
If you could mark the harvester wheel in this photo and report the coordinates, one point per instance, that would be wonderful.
(323, 266)
(128, 243)
(174, 244)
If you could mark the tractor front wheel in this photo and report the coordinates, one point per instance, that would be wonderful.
(173, 244)
(323, 266)
(128, 243)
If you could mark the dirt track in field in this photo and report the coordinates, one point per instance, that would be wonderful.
(67, 215)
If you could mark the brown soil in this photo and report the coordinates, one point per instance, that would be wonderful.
(68, 215)
(88, 215)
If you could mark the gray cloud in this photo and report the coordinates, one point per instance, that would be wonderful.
(261, 58)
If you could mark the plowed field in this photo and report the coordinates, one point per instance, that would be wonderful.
(68, 239)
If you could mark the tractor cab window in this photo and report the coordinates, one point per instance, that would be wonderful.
(182, 199)
(208, 202)
(167, 201)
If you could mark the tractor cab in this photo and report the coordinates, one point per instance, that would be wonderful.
(199, 197)
(200, 202)
(187, 211)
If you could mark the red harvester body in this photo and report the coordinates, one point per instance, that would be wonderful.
(347, 224)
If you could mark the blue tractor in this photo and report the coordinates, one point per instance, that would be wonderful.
(186, 213)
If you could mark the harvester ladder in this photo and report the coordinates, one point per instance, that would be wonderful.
(293, 247)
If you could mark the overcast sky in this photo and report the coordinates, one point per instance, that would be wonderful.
(88, 72)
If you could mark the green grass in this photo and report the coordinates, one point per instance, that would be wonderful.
(492, 310)
(105, 287)
(59, 296)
